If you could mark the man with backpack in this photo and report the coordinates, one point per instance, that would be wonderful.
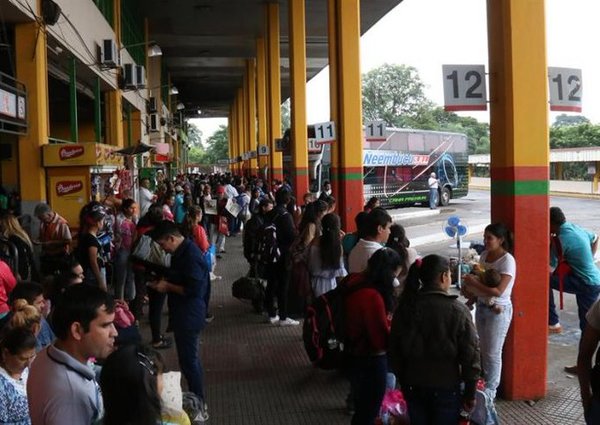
(276, 236)
(252, 228)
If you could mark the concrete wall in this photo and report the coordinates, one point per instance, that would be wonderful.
(555, 186)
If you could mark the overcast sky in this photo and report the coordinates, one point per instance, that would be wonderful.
(429, 33)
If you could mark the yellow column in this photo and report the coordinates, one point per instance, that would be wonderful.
(596, 177)
(332, 34)
(114, 101)
(251, 111)
(299, 148)
(273, 90)
(349, 125)
(230, 136)
(241, 142)
(261, 102)
(32, 70)
(114, 118)
(234, 136)
(519, 181)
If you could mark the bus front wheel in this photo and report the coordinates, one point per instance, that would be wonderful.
(445, 196)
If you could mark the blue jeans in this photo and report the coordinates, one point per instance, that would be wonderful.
(188, 354)
(368, 380)
(124, 278)
(492, 329)
(585, 294)
(433, 198)
(429, 406)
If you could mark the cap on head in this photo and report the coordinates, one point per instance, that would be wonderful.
(220, 190)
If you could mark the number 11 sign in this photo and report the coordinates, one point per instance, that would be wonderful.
(464, 88)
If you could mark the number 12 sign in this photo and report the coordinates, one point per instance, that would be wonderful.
(464, 88)
(565, 89)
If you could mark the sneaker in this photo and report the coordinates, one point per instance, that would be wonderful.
(209, 317)
(289, 322)
(572, 370)
(555, 329)
(273, 320)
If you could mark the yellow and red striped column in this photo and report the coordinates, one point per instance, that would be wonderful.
(520, 180)
(261, 103)
(273, 89)
(349, 109)
(299, 148)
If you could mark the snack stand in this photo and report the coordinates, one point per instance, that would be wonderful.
(78, 173)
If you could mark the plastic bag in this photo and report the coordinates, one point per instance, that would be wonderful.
(393, 410)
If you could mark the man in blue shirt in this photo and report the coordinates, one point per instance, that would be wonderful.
(578, 247)
(187, 283)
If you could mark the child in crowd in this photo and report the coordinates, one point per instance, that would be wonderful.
(490, 278)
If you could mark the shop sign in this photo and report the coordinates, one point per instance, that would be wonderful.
(92, 154)
(69, 152)
(67, 187)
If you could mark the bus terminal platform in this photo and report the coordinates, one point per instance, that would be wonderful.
(257, 373)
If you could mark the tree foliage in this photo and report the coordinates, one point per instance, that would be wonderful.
(217, 146)
(394, 94)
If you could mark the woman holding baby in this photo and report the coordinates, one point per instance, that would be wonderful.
(493, 323)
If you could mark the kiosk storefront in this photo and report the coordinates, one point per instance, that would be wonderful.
(78, 173)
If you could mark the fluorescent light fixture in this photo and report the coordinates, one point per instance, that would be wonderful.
(173, 90)
(199, 112)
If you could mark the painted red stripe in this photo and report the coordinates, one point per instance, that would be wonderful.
(465, 107)
(520, 173)
(560, 108)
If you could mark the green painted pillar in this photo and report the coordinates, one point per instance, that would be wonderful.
(73, 99)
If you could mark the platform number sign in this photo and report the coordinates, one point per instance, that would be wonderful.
(314, 147)
(325, 132)
(464, 88)
(566, 89)
(375, 131)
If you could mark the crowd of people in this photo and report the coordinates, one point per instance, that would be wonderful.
(71, 351)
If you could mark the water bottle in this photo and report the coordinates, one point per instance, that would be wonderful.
(463, 418)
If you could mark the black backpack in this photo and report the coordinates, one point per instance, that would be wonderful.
(268, 251)
(323, 327)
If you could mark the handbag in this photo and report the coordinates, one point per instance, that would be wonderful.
(223, 226)
(562, 269)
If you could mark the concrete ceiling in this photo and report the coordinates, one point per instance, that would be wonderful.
(205, 44)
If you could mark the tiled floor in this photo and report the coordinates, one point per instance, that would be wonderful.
(259, 374)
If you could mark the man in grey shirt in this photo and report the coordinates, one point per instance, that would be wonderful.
(62, 388)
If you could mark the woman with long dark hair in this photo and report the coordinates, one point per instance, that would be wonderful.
(368, 307)
(89, 249)
(325, 262)
(399, 243)
(131, 383)
(433, 346)
(492, 326)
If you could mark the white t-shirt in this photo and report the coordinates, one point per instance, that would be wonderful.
(146, 198)
(504, 265)
(360, 254)
(432, 182)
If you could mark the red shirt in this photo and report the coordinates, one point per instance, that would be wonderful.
(200, 238)
(7, 284)
(367, 323)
